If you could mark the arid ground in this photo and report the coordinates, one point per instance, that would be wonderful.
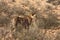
(29, 19)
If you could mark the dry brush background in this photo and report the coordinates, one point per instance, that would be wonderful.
(40, 20)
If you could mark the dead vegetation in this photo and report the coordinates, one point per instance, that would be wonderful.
(29, 20)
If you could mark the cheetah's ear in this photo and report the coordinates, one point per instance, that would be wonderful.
(33, 15)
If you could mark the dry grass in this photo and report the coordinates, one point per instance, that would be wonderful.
(40, 21)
